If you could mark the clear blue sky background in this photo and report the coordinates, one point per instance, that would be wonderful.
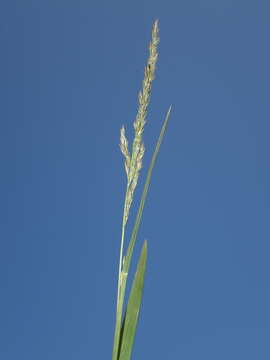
(70, 74)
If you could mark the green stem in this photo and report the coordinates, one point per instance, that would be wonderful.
(120, 289)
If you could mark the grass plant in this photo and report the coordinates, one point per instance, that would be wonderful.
(126, 321)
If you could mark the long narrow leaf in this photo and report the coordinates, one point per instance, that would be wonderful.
(126, 265)
(133, 308)
(144, 194)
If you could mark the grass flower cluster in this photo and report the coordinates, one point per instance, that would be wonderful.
(133, 164)
(125, 326)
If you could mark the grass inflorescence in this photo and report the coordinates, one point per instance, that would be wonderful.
(125, 326)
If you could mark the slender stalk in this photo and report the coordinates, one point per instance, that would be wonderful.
(121, 257)
(120, 293)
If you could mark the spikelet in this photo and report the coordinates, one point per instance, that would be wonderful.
(124, 149)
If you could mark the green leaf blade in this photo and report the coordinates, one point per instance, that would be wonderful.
(133, 308)
(144, 194)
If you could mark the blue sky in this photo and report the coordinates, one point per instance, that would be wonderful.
(70, 74)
